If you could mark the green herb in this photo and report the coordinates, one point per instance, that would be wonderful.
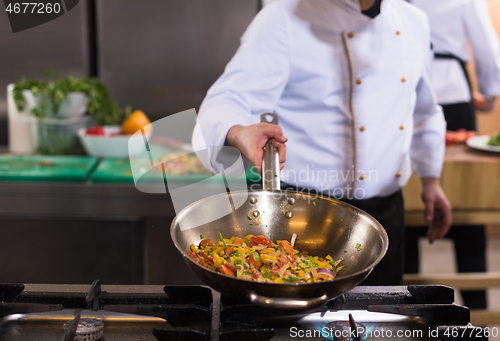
(275, 175)
(267, 274)
(294, 279)
(494, 140)
(314, 203)
(345, 251)
(222, 239)
(52, 93)
(341, 219)
(256, 256)
(358, 247)
(238, 261)
(201, 236)
(249, 218)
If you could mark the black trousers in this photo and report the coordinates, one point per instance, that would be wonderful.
(389, 212)
(470, 242)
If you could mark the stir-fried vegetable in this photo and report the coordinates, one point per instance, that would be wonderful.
(258, 258)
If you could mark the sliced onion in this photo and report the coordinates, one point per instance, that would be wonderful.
(326, 272)
(246, 277)
(281, 271)
(260, 247)
(314, 273)
(274, 272)
(293, 239)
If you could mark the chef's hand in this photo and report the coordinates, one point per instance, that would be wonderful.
(250, 140)
(437, 209)
(482, 103)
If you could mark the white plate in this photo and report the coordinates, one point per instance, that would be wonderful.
(481, 143)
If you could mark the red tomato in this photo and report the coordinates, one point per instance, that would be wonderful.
(260, 240)
(207, 257)
(448, 137)
(230, 266)
(256, 274)
(97, 130)
(282, 261)
(470, 134)
(225, 270)
(206, 242)
(195, 257)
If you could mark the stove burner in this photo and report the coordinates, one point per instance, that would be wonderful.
(87, 329)
(341, 330)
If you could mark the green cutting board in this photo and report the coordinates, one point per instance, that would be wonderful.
(46, 168)
(118, 171)
(113, 171)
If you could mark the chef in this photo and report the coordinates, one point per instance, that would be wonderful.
(350, 83)
(453, 24)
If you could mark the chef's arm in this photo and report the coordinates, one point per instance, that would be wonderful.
(251, 84)
(427, 154)
(486, 49)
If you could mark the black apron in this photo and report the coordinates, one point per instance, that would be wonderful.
(459, 115)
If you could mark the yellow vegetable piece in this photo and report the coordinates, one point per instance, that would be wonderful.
(295, 251)
(279, 280)
(302, 274)
(329, 258)
(218, 261)
(266, 259)
(136, 121)
(322, 264)
(268, 250)
(194, 248)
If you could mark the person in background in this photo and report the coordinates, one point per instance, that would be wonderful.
(350, 83)
(453, 24)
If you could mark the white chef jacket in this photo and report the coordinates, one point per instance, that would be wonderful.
(352, 93)
(453, 22)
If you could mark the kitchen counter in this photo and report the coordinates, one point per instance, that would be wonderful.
(471, 181)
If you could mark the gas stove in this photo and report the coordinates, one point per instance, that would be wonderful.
(124, 312)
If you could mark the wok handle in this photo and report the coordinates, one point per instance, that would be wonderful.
(270, 160)
(287, 303)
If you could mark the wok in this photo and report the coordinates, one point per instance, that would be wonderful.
(323, 226)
